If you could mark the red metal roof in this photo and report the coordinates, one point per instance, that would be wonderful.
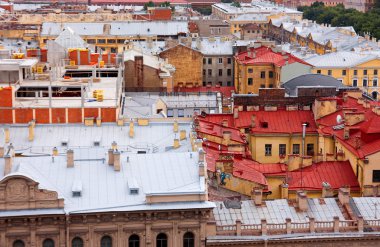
(265, 55)
(217, 130)
(364, 137)
(337, 174)
(280, 121)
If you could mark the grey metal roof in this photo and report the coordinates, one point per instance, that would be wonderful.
(310, 80)
(126, 28)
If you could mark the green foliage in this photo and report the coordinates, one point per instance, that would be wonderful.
(339, 16)
(149, 4)
(236, 4)
(165, 4)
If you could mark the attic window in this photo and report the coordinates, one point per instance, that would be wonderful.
(96, 143)
(264, 125)
(77, 193)
(134, 191)
(133, 186)
(64, 143)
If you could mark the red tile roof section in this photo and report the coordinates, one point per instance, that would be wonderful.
(265, 55)
(217, 130)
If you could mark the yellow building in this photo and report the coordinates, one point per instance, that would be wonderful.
(352, 69)
(263, 67)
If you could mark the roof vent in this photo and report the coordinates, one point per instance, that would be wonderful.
(133, 186)
(97, 142)
(77, 188)
(64, 142)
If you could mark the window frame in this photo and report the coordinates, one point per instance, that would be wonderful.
(133, 244)
(268, 149)
(310, 152)
(163, 241)
(377, 180)
(188, 241)
(294, 148)
(250, 81)
(281, 149)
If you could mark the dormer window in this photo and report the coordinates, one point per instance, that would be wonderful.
(77, 193)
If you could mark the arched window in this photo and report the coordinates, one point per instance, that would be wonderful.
(106, 241)
(134, 241)
(77, 242)
(162, 240)
(18, 243)
(188, 239)
(48, 243)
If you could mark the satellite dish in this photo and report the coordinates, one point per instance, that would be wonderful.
(339, 119)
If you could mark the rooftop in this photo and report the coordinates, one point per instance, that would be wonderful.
(341, 59)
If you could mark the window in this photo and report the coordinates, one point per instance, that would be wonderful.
(229, 83)
(374, 95)
(296, 148)
(310, 149)
(209, 72)
(365, 72)
(270, 74)
(18, 243)
(250, 81)
(204, 83)
(355, 72)
(170, 112)
(375, 71)
(134, 241)
(262, 74)
(268, 149)
(101, 41)
(162, 240)
(111, 41)
(365, 82)
(188, 239)
(121, 41)
(229, 72)
(250, 70)
(204, 72)
(318, 71)
(91, 41)
(229, 60)
(376, 176)
(282, 149)
(262, 86)
(77, 242)
(48, 243)
(204, 60)
(106, 241)
(355, 82)
(210, 61)
(220, 72)
(329, 72)
(181, 112)
(374, 82)
(344, 72)
(270, 85)
(220, 60)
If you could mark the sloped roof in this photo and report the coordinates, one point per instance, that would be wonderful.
(340, 59)
(69, 39)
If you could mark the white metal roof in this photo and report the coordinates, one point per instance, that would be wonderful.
(276, 211)
(69, 39)
(344, 59)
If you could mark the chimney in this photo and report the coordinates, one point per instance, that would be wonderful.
(302, 201)
(236, 112)
(114, 145)
(344, 195)
(116, 157)
(253, 121)
(182, 135)
(326, 190)
(201, 162)
(110, 157)
(70, 158)
(8, 160)
(226, 137)
(176, 143)
(257, 196)
(284, 191)
(175, 126)
(131, 129)
(225, 123)
(346, 132)
(98, 121)
(7, 135)
(31, 131)
(55, 151)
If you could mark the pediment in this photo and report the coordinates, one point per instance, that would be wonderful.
(21, 192)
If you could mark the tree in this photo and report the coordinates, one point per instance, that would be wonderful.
(236, 4)
(165, 4)
(148, 5)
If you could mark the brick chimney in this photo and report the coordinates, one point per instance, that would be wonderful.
(8, 160)
(175, 126)
(253, 121)
(31, 131)
(344, 195)
(346, 133)
(284, 191)
(176, 143)
(201, 162)
(326, 190)
(55, 151)
(236, 112)
(70, 158)
(116, 163)
(302, 201)
(7, 135)
(226, 137)
(114, 145)
(182, 135)
(257, 195)
(110, 157)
